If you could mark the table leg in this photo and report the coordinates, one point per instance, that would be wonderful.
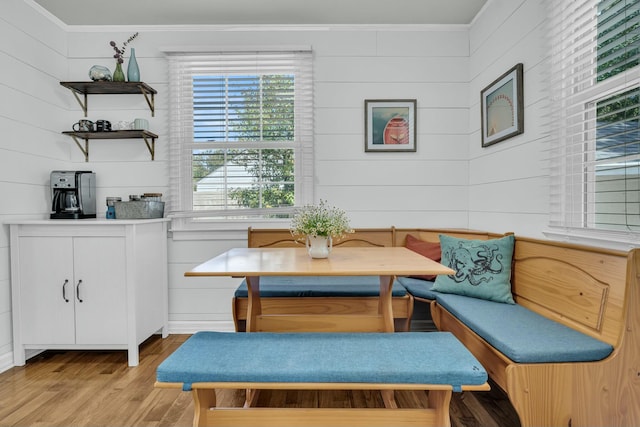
(385, 307)
(254, 308)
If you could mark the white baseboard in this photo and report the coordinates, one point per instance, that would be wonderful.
(191, 327)
(6, 361)
(175, 327)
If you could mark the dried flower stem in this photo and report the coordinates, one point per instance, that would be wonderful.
(119, 55)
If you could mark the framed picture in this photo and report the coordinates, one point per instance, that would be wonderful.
(502, 107)
(389, 125)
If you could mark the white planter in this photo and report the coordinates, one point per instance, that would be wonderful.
(319, 246)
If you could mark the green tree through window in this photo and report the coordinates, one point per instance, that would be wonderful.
(232, 110)
(268, 116)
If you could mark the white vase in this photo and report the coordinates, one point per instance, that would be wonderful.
(319, 246)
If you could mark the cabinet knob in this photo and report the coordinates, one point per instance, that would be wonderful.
(64, 290)
(78, 291)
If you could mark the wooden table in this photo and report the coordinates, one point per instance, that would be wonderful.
(386, 262)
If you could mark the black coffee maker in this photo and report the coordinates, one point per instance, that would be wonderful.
(73, 194)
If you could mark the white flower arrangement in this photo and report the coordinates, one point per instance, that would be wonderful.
(320, 220)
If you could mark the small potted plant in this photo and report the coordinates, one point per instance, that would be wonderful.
(320, 224)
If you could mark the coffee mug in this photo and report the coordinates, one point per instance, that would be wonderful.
(141, 124)
(103, 126)
(83, 126)
(123, 125)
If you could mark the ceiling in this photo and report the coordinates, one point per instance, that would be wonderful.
(262, 12)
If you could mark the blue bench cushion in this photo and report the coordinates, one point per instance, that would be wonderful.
(319, 286)
(389, 358)
(521, 334)
(418, 288)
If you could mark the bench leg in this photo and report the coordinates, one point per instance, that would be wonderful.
(206, 414)
(439, 401)
(203, 401)
(541, 393)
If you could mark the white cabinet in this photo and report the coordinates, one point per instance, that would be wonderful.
(88, 284)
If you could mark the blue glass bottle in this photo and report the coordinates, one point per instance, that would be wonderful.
(133, 72)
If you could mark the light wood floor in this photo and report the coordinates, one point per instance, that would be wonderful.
(97, 388)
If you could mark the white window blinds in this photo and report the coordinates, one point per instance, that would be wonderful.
(595, 102)
(241, 133)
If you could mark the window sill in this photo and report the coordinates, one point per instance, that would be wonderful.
(618, 240)
(220, 230)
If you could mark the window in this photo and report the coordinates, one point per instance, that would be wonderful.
(595, 103)
(241, 136)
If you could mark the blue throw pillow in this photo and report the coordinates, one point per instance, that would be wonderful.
(483, 268)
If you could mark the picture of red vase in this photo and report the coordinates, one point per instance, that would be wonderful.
(396, 131)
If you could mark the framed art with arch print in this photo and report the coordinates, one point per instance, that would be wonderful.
(502, 107)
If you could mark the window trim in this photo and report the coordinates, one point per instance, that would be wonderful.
(180, 199)
(579, 62)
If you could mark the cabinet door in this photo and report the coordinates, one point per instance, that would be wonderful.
(46, 290)
(101, 291)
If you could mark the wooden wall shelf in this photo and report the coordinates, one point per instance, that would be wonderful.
(149, 139)
(110, 88)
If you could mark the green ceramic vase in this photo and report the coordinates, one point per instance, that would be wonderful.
(118, 74)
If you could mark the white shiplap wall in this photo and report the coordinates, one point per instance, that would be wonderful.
(449, 182)
(33, 59)
(427, 188)
(508, 181)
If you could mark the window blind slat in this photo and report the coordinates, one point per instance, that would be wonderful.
(595, 151)
(240, 131)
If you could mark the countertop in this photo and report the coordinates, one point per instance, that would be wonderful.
(86, 221)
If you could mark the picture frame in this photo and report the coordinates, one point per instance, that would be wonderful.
(502, 107)
(390, 125)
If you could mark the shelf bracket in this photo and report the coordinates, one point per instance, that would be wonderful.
(84, 104)
(151, 147)
(150, 101)
(85, 149)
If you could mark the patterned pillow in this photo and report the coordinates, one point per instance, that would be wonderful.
(483, 268)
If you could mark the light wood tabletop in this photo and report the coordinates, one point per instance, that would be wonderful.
(349, 261)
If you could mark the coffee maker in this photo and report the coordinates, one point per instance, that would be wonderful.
(73, 194)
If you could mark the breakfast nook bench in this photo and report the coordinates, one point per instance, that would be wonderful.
(336, 295)
(436, 362)
(565, 343)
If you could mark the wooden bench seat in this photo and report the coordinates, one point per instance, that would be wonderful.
(322, 295)
(593, 292)
(436, 362)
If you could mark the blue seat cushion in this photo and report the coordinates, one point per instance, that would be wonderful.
(521, 334)
(319, 286)
(389, 358)
(418, 287)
